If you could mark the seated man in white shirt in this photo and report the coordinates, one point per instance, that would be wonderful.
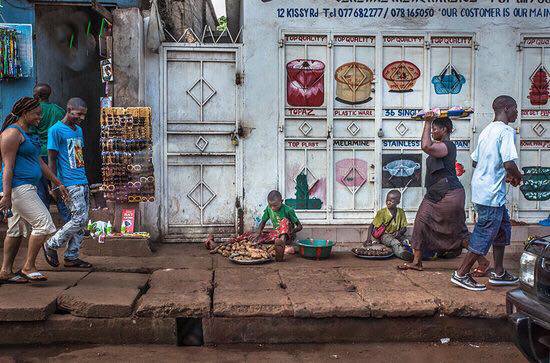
(493, 160)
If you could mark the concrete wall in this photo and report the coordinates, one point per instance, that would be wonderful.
(497, 61)
(496, 72)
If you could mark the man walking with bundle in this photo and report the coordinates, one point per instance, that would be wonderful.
(494, 164)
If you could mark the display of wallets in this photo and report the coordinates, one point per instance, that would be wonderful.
(126, 151)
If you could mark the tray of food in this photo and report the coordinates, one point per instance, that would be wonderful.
(252, 258)
(376, 252)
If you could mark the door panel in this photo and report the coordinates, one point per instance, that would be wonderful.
(200, 129)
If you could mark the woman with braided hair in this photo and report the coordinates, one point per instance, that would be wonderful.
(22, 169)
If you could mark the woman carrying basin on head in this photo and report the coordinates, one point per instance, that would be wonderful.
(440, 223)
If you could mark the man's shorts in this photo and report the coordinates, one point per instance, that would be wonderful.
(29, 213)
(492, 228)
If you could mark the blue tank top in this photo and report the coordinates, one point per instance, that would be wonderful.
(27, 166)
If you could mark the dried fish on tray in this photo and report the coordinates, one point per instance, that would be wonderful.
(373, 252)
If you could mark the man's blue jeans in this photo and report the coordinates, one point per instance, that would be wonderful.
(75, 217)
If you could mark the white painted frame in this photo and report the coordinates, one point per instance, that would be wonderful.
(239, 99)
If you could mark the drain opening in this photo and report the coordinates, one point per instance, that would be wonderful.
(189, 332)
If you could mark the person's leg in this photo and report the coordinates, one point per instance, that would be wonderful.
(398, 249)
(30, 208)
(76, 222)
(35, 243)
(82, 205)
(498, 257)
(11, 247)
(500, 276)
(485, 231)
(467, 263)
(501, 241)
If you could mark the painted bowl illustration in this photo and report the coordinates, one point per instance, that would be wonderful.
(401, 76)
(401, 167)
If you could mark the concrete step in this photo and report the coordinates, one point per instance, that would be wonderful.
(192, 293)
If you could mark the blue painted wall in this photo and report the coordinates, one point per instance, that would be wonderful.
(15, 11)
(21, 11)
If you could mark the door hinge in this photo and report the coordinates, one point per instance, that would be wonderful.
(427, 44)
(239, 79)
(476, 45)
(474, 130)
(281, 128)
(281, 43)
(329, 131)
(519, 47)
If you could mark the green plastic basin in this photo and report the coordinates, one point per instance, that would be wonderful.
(317, 249)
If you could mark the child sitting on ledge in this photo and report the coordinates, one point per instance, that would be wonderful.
(395, 223)
(285, 225)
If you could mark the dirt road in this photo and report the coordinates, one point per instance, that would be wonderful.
(385, 352)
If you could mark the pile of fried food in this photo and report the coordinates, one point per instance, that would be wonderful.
(245, 251)
(374, 250)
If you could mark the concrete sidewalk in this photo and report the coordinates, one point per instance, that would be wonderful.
(153, 299)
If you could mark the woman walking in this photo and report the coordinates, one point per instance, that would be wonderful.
(440, 223)
(22, 169)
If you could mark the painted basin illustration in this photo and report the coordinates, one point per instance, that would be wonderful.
(305, 83)
(401, 167)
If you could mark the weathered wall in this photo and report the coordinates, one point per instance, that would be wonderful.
(182, 14)
(17, 11)
(497, 71)
(496, 59)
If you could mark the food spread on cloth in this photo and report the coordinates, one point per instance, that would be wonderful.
(245, 251)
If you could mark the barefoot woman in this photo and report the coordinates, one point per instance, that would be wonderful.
(440, 223)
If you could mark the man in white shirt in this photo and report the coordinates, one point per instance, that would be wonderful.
(494, 164)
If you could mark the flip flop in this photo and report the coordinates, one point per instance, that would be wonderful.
(14, 280)
(34, 276)
(406, 266)
(50, 256)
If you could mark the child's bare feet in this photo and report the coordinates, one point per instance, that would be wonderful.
(289, 250)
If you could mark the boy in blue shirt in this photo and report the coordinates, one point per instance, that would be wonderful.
(66, 159)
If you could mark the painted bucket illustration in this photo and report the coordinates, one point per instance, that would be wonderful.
(353, 83)
(305, 85)
(401, 167)
(449, 81)
(401, 76)
(536, 183)
(540, 84)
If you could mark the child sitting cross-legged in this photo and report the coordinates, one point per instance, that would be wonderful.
(285, 225)
(395, 223)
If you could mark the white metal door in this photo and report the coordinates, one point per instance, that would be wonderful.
(202, 185)
(532, 199)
